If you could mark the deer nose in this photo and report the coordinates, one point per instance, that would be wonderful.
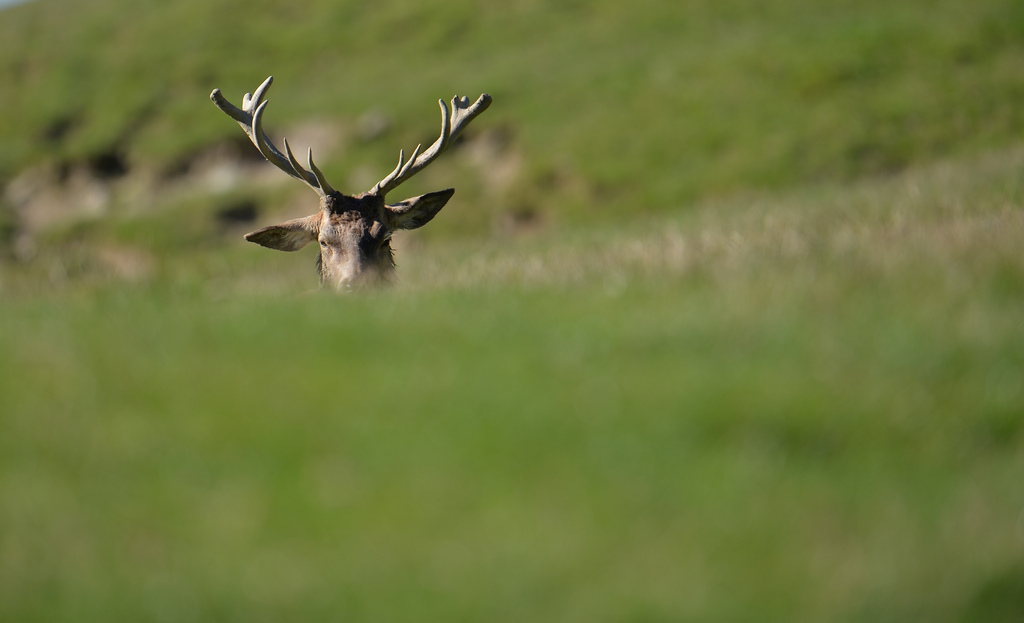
(363, 277)
(352, 277)
(346, 284)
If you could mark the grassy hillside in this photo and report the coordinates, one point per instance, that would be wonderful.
(624, 106)
(723, 324)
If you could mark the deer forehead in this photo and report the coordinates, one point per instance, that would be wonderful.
(353, 225)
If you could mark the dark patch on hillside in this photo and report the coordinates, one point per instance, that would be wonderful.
(108, 165)
(239, 213)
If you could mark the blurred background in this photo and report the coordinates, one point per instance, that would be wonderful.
(725, 321)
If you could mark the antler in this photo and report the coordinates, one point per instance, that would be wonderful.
(462, 113)
(250, 117)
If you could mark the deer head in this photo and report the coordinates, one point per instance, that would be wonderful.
(354, 232)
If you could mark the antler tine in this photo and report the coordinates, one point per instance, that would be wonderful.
(412, 159)
(451, 125)
(306, 176)
(393, 174)
(250, 118)
(320, 179)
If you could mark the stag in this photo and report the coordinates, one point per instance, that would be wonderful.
(354, 232)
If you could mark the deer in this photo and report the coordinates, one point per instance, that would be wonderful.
(354, 231)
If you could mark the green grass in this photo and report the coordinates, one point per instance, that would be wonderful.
(505, 457)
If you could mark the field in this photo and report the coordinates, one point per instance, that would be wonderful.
(741, 339)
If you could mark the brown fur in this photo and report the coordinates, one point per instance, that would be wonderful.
(354, 235)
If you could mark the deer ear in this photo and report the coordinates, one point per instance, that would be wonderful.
(289, 235)
(418, 211)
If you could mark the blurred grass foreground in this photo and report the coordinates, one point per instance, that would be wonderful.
(724, 323)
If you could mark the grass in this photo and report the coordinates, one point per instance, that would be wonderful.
(530, 459)
(798, 408)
